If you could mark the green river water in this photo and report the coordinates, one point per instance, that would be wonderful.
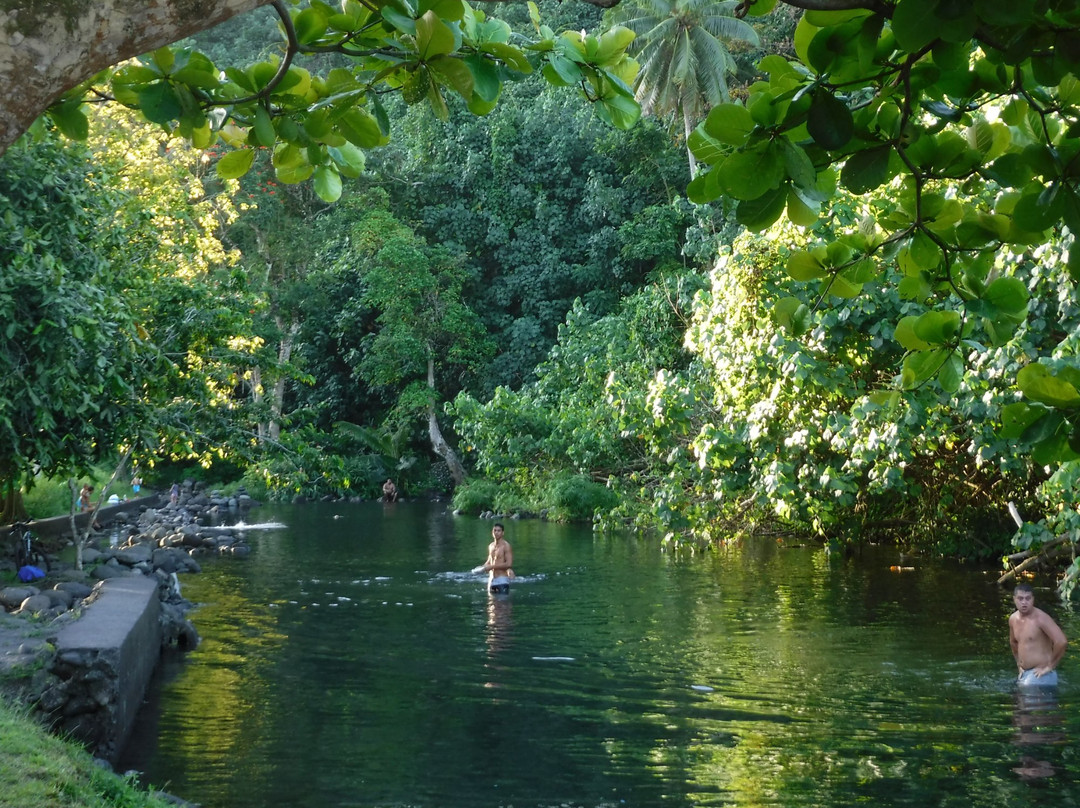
(352, 660)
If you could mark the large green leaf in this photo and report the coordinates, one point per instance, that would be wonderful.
(921, 366)
(434, 37)
(328, 184)
(797, 164)
(938, 327)
(1008, 295)
(265, 135)
(619, 110)
(915, 24)
(707, 149)
(71, 120)
(453, 72)
(485, 75)
(951, 373)
(729, 123)
(399, 19)
(360, 128)
(905, 334)
(757, 214)
(866, 170)
(830, 122)
(235, 164)
(1018, 416)
(159, 102)
(752, 173)
(806, 265)
(1039, 384)
(310, 24)
(792, 315)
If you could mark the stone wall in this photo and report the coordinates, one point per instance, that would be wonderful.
(103, 664)
(84, 655)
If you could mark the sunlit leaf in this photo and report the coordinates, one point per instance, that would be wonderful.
(1039, 384)
(235, 164)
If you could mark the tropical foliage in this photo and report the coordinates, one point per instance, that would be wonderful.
(319, 126)
(70, 358)
(885, 348)
(684, 50)
(546, 205)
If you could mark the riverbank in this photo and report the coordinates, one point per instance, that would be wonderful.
(71, 658)
(40, 770)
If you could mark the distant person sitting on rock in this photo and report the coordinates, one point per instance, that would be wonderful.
(84, 497)
(389, 491)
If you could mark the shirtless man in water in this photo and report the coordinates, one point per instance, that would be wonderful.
(1038, 644)
(500, 559)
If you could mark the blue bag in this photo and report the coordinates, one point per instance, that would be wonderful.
(30, 573)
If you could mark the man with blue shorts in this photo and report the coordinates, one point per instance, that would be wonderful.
(1038, 643)
(500, 559)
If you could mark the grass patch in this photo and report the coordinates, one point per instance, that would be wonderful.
(39, 770)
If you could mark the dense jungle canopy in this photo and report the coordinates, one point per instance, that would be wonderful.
(825, 288)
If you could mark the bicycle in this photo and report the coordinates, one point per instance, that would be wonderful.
(26, 550)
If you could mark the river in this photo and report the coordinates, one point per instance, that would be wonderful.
(352, 660)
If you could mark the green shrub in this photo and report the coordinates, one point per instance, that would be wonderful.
(509, 501)
(576, 498)
(476, 496)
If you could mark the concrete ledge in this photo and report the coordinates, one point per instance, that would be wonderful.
(60, 526)
(104, 661)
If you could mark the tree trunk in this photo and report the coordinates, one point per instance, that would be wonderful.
(48, 48)
(13, 509)
(77, 537)
(438, 442)
(277, 393)
(256, 385)
(688, 129)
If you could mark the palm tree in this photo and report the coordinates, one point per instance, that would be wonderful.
(682, 46)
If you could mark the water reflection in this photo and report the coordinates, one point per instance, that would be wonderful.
(1039, 723)
(612, 676)
(498, 634)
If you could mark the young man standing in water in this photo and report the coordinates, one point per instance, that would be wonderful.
(499, 562)
(1038, 643)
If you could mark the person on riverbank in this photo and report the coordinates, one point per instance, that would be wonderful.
(174, 493)
(500, 560)
(84, 497)
(1038, 643)
(389, 491)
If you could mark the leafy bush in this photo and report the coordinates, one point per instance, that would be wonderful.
(476, 496)
(574, 497)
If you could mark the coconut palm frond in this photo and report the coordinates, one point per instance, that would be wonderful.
(682, 50)
(682, 59)
(715, 64)
(731, 29)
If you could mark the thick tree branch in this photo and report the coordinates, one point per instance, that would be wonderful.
(44, 53)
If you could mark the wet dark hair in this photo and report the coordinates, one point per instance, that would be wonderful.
(1023, 588)
(498, 524)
